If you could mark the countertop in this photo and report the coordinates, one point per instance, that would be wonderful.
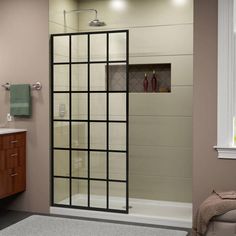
(10, 131)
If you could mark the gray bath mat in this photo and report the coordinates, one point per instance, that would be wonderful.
(54, 226)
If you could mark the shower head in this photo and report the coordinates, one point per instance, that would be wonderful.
(94, 23)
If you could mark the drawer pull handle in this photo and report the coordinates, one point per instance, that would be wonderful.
(14, 155)
(12, 175)
(14, 141)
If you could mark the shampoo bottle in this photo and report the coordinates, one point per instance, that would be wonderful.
(154, 82)
(145, 83)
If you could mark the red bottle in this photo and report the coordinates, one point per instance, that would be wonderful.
(154, 82)
(145, 83)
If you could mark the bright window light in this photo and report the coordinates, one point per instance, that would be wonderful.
(234, 131)
(118, 5)
(179, 2)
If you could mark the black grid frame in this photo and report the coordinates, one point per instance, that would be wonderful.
(107, 121)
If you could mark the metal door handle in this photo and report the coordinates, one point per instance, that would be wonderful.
(12, 175)
(14, 155)
(14, 141)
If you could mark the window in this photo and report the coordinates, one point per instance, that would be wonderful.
(226, 146)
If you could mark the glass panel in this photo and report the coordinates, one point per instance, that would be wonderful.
(61, 191)
(117, 166)
(98, 106)
(98, 47)
(61, 106)
(98, 77)
(98, 165)
(79, 164)
(117, 77)
(98, 136)
(79, 106)
(79, 135)
(61, 134)
(117, 136)
(117, 196)
(61, 78)
(117, 106)
(79, 192)
(117, 46)
(98, 194)
(61, 163)
(79, 48)
(79, 77)
(61, 49)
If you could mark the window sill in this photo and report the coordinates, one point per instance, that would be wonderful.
(226, 152)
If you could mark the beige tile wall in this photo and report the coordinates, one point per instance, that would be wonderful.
(160, 124)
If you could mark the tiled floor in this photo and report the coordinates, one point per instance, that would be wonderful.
(8, 218)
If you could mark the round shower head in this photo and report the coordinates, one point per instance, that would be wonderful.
(96, 23)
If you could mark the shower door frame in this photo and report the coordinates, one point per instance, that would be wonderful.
(107, 92)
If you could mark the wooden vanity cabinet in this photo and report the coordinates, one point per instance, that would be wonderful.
(12, 163)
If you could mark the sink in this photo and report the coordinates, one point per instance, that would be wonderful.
(9, 131)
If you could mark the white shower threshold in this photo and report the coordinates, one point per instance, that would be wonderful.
(163, 213)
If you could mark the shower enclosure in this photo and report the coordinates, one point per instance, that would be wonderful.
(89, 122)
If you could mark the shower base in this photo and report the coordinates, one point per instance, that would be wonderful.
(164, 213)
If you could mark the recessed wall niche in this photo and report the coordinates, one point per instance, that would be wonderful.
(117, 75)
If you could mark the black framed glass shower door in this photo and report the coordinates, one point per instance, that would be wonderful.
(89, 124)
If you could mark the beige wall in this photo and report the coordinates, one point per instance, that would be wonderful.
(24, 47)
(208, 172)
(160, 124)
(57, 23)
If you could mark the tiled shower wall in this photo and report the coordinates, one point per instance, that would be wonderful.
(160, 124)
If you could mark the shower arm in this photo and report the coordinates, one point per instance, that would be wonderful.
(82, 10)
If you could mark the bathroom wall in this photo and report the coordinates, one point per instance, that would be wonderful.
(57, 22)
(160, 124)
(24, 58)
(209, 172)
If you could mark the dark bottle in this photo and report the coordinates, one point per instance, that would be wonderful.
(154, 82)
(145, 83)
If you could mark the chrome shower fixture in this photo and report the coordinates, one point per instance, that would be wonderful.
(96, 22)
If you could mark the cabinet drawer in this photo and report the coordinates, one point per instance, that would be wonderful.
(18, 179)
(5, 183)
(15, 157)
(13, 140)
(12, 181)
(2, 160)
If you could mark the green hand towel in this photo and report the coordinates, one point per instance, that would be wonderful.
(20, 100)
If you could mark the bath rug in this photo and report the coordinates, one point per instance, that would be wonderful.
(38, 225)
